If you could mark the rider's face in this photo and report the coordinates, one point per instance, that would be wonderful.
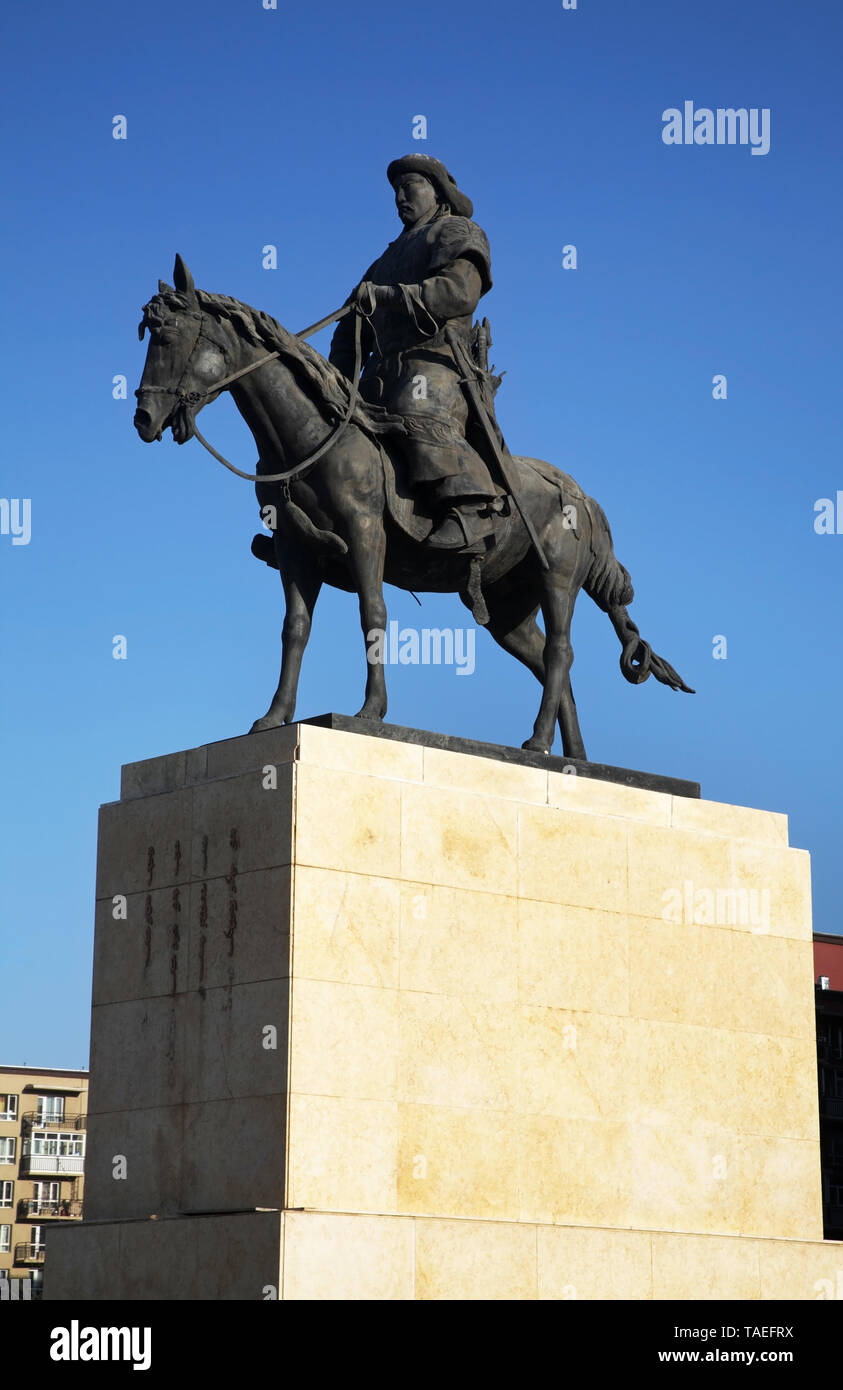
(415, 196)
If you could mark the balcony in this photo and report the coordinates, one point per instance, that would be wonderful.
(47, 1211)
(29, 1254)
(36, 1119)
(50, 1165)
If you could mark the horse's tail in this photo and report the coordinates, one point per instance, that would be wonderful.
(609, 585)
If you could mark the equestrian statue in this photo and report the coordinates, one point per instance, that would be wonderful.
(386, 462)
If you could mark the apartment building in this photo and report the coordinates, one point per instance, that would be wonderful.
(42, 1162)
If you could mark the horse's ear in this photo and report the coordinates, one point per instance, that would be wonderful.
(164, 288)
(182, 277)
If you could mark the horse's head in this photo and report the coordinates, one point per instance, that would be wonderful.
(185, 357)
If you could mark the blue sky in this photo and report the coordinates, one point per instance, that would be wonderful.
(248, 127)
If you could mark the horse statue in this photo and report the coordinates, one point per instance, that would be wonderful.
(341, 516)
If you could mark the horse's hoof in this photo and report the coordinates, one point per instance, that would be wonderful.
(259, 726)
(535, 745)
(371, 714)
(268, 721)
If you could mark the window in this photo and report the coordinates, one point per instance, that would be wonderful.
(7, 1192)
(8, 1107)
(50, 1110)
(45, 1199)
(5, 1239)
(36, 1242)
(67, 1145)
(8, 1149)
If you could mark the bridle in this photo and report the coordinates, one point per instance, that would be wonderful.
(195, 398)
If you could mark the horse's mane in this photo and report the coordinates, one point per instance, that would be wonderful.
(260, 328)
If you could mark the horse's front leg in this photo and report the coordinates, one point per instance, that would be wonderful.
(366, 555)
(301, 589)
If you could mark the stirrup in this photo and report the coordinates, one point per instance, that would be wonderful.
(464, 531)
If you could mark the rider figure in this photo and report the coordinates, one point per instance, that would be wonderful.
(431, 276)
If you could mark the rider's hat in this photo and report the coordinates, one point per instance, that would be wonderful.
(441, 178)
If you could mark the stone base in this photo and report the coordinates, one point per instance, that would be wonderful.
(402, 1018)
(317, 1255)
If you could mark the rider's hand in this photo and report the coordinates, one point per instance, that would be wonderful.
(368, 294)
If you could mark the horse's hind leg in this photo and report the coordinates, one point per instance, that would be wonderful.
(520, 635)
(569, 724)
(557, 696)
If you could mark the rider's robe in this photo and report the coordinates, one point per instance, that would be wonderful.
(442, 269)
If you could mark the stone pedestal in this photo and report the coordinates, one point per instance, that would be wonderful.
(376, 1019)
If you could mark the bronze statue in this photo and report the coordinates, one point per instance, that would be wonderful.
(401, 473)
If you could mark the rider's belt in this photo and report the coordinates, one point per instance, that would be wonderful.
(394, 349)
